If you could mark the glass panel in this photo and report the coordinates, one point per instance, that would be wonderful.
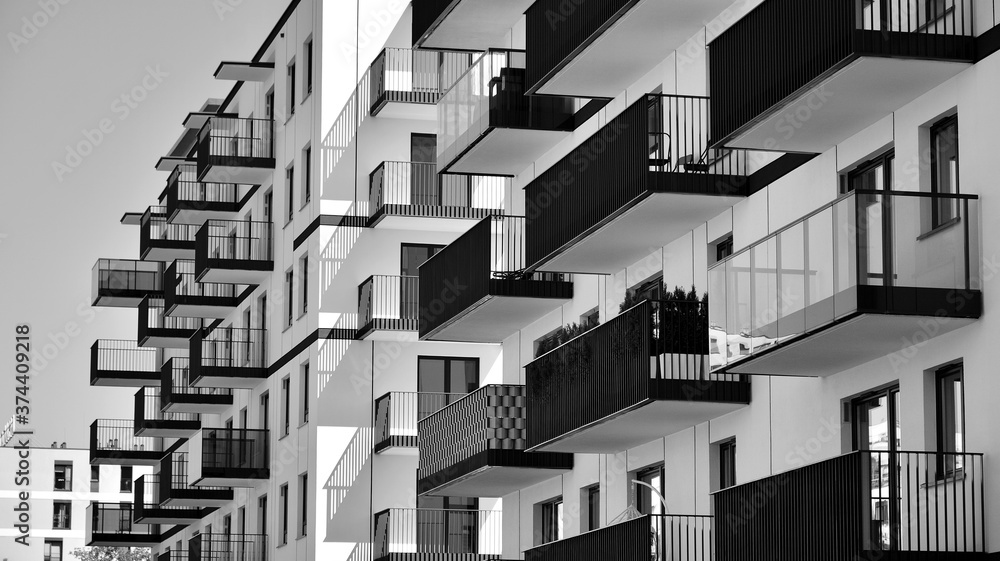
(921, 258)
(718, 338)
(870, 240)
(792, 273)
(819, 279)
(738, 299)
(765, 294)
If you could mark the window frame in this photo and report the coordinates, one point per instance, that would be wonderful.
(67, 476)
(304, 504)
(304, 376)
(126, 482)
(947, 430)
(69, 515)
(937, 220)
(283, 495)
(286, 404)
(593, 494)
(551, 523)
(727, 459)
(307, 60)
(47, 549)
(290, 78)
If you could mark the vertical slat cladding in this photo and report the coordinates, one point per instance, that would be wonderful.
(456, 277)
(626, 541)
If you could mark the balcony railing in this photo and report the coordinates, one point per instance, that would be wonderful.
(111, 524)
(185, 296)
(189, 201)
(234, 245)
(657, 536)
(416, 189)
(151, 419)
(125, 282)
(147, 507)
(414, 76)
(113, 441)
(397, 415)
(122, 362)
(162, 241)
(209, 546)
(173, 555)
(884, 252)
(231, 143)
(388, 303)
(156, 329)
(177, 393)
(438, 532)
(235, 454)
(872, 502)
(228, 353)
(175, 489)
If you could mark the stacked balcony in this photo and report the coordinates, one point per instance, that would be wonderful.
(148, 509)
(160, 240)
(228, 357)
(849, 283)
(407, 83)
(236, 150)
(177, 395)
(210, 546)
(234, 252)
(475, 447)
(228, 457)
(464, 24)
(111, 525)
(173, 555)
(176, 491)
(387, 305)
(123, 283)
(410, 534)
(183, 296)
(631, 380)
(477, 288)
(113, 441)
(401, 194)
(804, 76)
(122, 363)
(150, 420)
(157, 329)
(655, 536)
(397, 415)
(873, 505)
(645, 179)
(189, 201)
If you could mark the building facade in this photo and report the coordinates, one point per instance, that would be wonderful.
(570, 280)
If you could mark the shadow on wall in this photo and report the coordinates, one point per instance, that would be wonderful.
(346, 491)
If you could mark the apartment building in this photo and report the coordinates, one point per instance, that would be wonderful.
(570, 280)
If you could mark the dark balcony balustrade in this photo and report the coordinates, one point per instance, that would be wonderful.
(123, 283)
(630, 380)
(228, 357)
(477, 289)
(176, 491)
(123, 363)
(173, 555)
(229, 457)
(387, 303)
(399, 192)
(160, 240)
(209, 546)
(148, 509)
(397, 415)
(236, 150)
(475, 446)
(657, 536)
(849, 283)
(862, 505)
(150, 420)
(411, 534)
(488, 125)
(645, 179)
(157, 329)
(464, 24)
(401, 78)
(183, 296)
(111, 525)
(113, 441)
(234, 252)
(789, 75)
(177, 395)
(189, 201)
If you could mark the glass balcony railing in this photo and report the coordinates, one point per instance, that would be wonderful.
(125, 282)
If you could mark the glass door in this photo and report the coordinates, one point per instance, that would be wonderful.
(877, 430)
(425, 188)
(873, 219)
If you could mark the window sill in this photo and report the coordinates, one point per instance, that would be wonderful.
(301, 315)
(306, 97)
(284, 436)
(289, 118)
(287, 224)
(939, 228)
(301, 536)
(304, 423)
(305, 205)
(286, 327)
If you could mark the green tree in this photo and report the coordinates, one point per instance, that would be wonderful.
(102, 553)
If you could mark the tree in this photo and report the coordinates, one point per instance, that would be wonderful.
(102, 553)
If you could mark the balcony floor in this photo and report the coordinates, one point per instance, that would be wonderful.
(197, 216)
(195, 498)
(168, 429)
(495, 318)
(200, 311)
(474, 24)
(503, 151)
(232, 378)
(196, 403)
(443, 221)
(235, 271)
(407, 111)
(494, 481)
(169, 254)
(126, 457)
(124, 378)
(244, 175)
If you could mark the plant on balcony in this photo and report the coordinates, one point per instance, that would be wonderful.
(569, 358)
(104, 553)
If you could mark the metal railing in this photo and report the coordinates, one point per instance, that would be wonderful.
(232, 347)
(947, 17)
(119, 435)
(174, 476)
(388, 297)
(236, 138)
(148, 407)
(184, 189)
(234, 449)
(214, 546)
(678, 132)
(153, 226)
(177, 371)
(438, 532)
(173, 555)
(397, 413)
(419, 184)
(236, 240)
(115, 518)
(416, 76)
(117, 355)
(152, 315)
(179, 280)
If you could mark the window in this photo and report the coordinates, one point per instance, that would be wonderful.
(304, 275)
(64, 476)
(649, 489)
(551, 513)
(52, 551)
(723, 248)
(62, 514)
(126, 480)
(304, 504)
(289, 304)
(591, 318)
(268, 204)
(307, 175)
(285, 405)
(951, 418)
(262, 514)
(95, 479)
(290, 187)
(243, 418)
(290, 88)
(305, 392)
(593, 507)
(872, 175)
(307, 59)
(727, 464)
(265, 411)
(269, 104)
(944, 169)
(283, 497)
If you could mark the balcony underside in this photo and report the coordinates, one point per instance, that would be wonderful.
(407, 105)
(124, 378)
(198, 403)
(157, 515)
(384, 329)
(201, 307)
(232, 477)
(495, 473)
(227, 377)
(245, 171)
(473, 25)
(166, 338)
(123, 298)
(433, 556)
(167, 429)
(923, 556)
(124, 540)
(200, 212)
(504, 151)
(397, 445)
(235, 271)
(168, 250)
(651, 220)
(625, 51)
(428, 217)
(496, 317)
(126, 457)
(843, 102)
(198, 498)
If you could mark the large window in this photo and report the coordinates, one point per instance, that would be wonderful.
(551, 520)
(727, 463)
(307, 60)
(441, 374)
(306, 175)
(286, 405)
(289, 304)
(62, 515)
(872, 175)
(649, 490)
(290, 88)
(126, 480)
(304, 275)
(95, 479)
(593, 507)
(63, 477)
(262, 514)
(283, 497)
(944, 168)
(265, 411)
(304, 504)
(305, 392)
(52, 550)
(951, 418)
(290, 189)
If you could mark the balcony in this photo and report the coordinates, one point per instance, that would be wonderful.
(183, 296)
(123, 283)
(488, 125)
(402, 195)
(397, 415)
(209, 546)
(234, 252)
(629, 381)
(410, 534)
(475, 446)
(477, 290)
(177, 395)
(228, 357)
(804, 76)
(173, 555)
(642, 181)
(387, 305)
(151, 421)
(113, 441)
(875, 505)
(175, 491)
(464, 24)
(407, 83)
(856, 280)
(162, 241)
(235, 150)
(111, 525)
(228, 457)
(156, 329)
(189, 201)
(656, 536)
(122, 363)
(147, 508)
